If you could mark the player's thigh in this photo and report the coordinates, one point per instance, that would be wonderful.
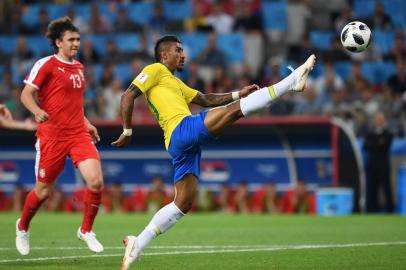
(50, 159)
(221, 117)
(92, 173)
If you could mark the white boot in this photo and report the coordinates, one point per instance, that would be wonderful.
(22, 240)
(91, 241)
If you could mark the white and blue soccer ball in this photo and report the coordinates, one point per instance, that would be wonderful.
(356, 36)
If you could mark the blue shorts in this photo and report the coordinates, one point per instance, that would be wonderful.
(185, 145)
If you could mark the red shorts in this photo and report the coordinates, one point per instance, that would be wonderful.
(51, 155)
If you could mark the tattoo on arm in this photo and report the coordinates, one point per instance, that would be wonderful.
(127, 104)
(212, 100)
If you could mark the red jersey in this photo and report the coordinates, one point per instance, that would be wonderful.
(60, 87)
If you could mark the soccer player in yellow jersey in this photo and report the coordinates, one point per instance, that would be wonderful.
(168, 99)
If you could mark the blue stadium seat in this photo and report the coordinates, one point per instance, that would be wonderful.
(99, 43)
(387, 70)
(363, 8)
(57, 11)
(2, 69)
(127, 42)
(140, 12)
(321, 39)
(30, 14)
(378, 73)
(122, 72)
(39, 45)
(97, 70)
(82, 11)
(396, 10)
(383, 40)
(8, 44)
(274, 15)
(233, 46)
(178, 10)
(343, 69)
(193, 43)
(370, 71)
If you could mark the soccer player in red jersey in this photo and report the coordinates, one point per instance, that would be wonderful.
(58, 83)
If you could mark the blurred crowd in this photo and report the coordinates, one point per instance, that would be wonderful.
(342, 85)
(228, 199)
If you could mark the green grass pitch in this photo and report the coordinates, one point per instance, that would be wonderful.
(215, 241)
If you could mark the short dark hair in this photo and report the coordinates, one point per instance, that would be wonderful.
(58, 27)
(161, 43)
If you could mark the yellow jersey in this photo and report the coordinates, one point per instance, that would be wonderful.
(167, 97)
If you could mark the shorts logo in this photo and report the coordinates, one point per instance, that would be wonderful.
(142, 77)
(42, 172)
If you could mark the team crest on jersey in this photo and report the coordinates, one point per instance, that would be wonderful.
(81, 74)
(142, 77)
(41, 172)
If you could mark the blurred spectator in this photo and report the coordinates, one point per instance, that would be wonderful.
(23, 58)
(88, 55)
(113, 198)
(302, 51)
(245, 19)
(19, 198)
(111, 100)
(379, 20)
(225, 198)
(193, 79)
(107, 76)
(78, 21)
(205, 200)
(336, 52)
(113, 54)
(326, 84)
(157, 196)
(123, 23)
(221, 82)
(211, 55)
(298, 17)
(345, 16)
(398, 52)
(98, 24)
(307, 103)
(42, 25)
(377, 145)
(219, 20)
(15, 25)
(397, 82)
(298, 200)
(143, 52)
(157, 22)
(91, 95)
(55, 203)
(6, 85)
(272, 199)
(243, 198)
(198, 22)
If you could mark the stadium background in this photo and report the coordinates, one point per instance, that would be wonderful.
(251, 41)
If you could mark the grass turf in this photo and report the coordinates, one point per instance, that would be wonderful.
(215, 241)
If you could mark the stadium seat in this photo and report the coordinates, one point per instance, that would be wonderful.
(140, 12)
(233, 46)
(343, 69)
(8, 44)
(99, 43)
(39, 45)
(194, 43)
(321, 39)
(127, 42)
(383, 40)
(30, 14)
(123, 73)
(274, 15)
(363, 8)
(183, 10)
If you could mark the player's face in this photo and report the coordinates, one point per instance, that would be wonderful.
(175, 57)
(69, 45)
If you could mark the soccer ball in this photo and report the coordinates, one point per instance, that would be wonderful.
(356, 36)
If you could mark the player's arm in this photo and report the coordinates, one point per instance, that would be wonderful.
(212, 100)
(126, 111)
(28, 99)
(5, 112)
(20, 125)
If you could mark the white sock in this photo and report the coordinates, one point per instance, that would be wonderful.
(164, 219)
(257, 100)
(285, 85)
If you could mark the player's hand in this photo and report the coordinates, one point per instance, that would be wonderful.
(93, 132)
(122, 141)
(5, 112)
(41, 116)
(30, 125)
(245, 91)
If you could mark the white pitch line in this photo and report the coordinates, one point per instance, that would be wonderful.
(220, 250)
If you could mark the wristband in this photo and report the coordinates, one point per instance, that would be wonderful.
(235, 95)
(127, 132)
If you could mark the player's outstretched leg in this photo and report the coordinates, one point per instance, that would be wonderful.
(22, 240)
(295, 82)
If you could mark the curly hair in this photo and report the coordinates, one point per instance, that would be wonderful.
(57, 28)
